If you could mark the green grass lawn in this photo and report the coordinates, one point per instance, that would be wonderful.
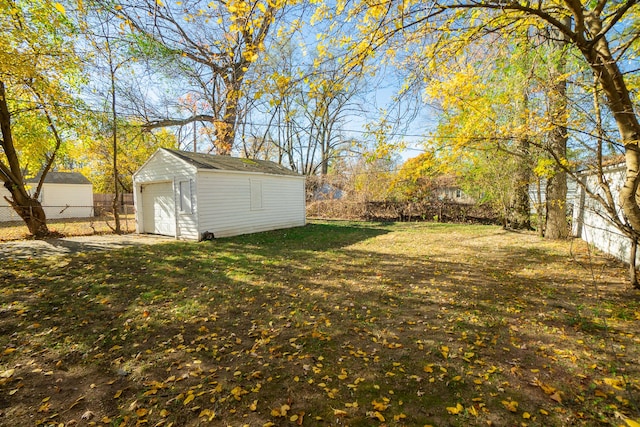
(335, 323)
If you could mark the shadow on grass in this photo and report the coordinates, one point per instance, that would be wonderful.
(315, 323)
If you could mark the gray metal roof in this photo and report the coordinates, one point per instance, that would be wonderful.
(227, 163)
(61, 178)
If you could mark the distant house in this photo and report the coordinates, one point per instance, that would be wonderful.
(195, 196)
(63, 195)
(327, 191)
(446, 188)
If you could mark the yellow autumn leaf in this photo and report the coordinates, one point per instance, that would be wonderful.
(118, 394)
(444, 350)
(339, 413)
(7, 374)
(262, 8)
(454, 410)
(60, 8)
(526, 415)
(379, 406)
(207, 413)
(281, 411)
(616, 383)
(275, 412)
(378, 416)
(141, 412)
(188, 399)
(343, 374)
(631, 423)
(253, 406)
(511, 405)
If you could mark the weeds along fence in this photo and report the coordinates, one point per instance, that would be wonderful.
(437, 211)
(70, 220)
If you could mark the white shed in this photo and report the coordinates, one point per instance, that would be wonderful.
(63, 195)
(591, 222)
(195, 196)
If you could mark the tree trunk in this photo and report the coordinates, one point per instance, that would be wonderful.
(619, 102)
(557, 226)
(31, 212)
(114, 112)
(520, 211)
(633, 273)
(27, 207)
(540, 212)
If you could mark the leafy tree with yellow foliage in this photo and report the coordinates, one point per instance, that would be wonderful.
(38, 69)
(603, 34)
(209, 45)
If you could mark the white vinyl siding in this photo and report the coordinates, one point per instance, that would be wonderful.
(165, 167)
(185, 197)
(226, 203)
(58, 201)
(67, 200)
(256, 194)
(590, 220)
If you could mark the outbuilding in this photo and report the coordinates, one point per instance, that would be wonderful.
(591, 221)
(63, 195)
(199, 196)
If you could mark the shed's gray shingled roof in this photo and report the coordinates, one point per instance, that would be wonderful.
(227, 163)
(61, 178)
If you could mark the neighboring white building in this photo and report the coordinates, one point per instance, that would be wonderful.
(63, 195)
(195, 196)
(539, 198)
(592, 223)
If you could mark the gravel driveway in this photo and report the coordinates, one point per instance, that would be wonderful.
(70, 245)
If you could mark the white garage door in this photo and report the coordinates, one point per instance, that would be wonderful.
(159, 209)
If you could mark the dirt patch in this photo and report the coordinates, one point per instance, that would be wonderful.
(25, 249)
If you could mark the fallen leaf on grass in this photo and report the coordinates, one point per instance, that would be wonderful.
(280, 412)
(444, 350)
(631, 423)
(207, 413)
(454, 410)
(379, 406)
(377, 415)
(511, 405)
(339, 413)
(188, 399)
(7, 374)
(87, 416)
